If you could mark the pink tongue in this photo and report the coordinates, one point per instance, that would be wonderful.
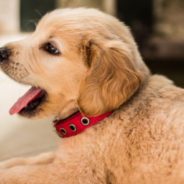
(22, 102)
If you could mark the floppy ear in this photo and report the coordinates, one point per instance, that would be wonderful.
(111, 79)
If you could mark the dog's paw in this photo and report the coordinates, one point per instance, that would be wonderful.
(10, 163)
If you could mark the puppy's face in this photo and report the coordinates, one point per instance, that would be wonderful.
(71, 62)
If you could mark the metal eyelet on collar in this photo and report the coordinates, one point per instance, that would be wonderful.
(72, 127)
(63, 131)
(85, 121)
(55, 130)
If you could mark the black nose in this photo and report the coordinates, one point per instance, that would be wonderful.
(3, 55)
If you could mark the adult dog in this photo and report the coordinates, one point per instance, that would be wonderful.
(84, 60)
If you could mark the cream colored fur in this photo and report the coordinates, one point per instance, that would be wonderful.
(99, 69)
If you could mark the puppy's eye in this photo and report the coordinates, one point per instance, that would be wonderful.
(50, 48)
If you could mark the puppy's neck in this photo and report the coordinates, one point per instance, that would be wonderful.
(67, 111)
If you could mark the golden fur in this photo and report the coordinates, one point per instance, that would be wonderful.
(99, 69)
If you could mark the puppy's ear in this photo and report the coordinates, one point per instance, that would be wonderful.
(111, 79)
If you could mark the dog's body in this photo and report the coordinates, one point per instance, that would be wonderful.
(142, 141)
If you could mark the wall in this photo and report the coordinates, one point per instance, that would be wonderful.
(107, 6)
(169, 15)
(9, 16)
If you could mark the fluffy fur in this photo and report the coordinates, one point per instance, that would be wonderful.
(99, 69)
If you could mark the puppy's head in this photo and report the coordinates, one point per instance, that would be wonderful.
(77, 59)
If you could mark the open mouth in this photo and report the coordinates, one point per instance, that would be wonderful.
(28, 102)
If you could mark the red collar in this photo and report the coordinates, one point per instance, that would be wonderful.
(76, 124)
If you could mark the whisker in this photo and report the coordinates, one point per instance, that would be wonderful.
(39, 13)
(34, 21)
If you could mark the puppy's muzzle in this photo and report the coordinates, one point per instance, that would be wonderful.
(3, 55)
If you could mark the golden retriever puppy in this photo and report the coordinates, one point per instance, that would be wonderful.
(84, 60)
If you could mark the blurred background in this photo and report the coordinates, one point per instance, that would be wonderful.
(157, 26)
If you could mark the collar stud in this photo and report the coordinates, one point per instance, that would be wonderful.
(85, 121)
(63, 131)
(72, 127)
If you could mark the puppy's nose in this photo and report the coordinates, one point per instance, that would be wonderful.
(3, 55)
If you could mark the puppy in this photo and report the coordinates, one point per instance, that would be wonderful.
(84, 65)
